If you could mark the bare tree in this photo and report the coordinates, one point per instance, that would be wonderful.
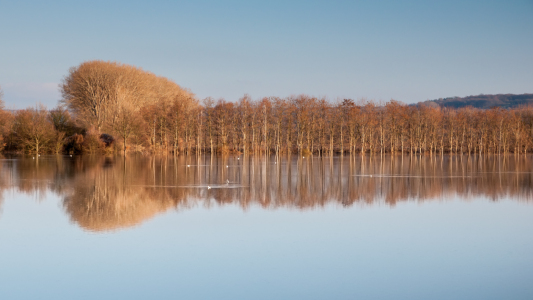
(33, 130)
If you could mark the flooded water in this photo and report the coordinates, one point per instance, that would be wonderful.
(392, 227)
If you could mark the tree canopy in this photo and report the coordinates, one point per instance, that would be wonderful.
(98, 93)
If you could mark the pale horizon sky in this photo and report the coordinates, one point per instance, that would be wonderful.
(405, 50)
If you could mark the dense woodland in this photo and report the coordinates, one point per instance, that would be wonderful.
(111, 107)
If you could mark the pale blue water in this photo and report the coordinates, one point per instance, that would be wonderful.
(263, 241)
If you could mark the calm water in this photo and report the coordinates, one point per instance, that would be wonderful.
(452, 227)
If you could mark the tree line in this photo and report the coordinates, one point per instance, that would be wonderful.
(112, 107)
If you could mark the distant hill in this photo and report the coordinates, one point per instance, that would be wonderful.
(484, 101)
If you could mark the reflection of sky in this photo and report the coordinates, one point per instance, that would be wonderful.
(458, 249)
(406, 50)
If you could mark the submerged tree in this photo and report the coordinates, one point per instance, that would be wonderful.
(5, 122)
(33, 130)
(101, 94)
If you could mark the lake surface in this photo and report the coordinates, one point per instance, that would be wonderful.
(392, 227)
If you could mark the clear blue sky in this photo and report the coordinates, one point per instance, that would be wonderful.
(405, 50)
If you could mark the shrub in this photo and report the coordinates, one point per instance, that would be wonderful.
(92, 142)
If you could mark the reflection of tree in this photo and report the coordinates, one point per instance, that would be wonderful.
(105, 207)
(109, 197)
(111, 193)
(4, 180)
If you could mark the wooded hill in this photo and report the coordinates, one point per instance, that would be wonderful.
(484, 101)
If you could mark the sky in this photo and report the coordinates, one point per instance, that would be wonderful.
(409, 51)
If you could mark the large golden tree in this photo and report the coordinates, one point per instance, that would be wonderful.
(98, 92)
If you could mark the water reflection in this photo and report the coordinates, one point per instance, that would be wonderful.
(102, 193)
